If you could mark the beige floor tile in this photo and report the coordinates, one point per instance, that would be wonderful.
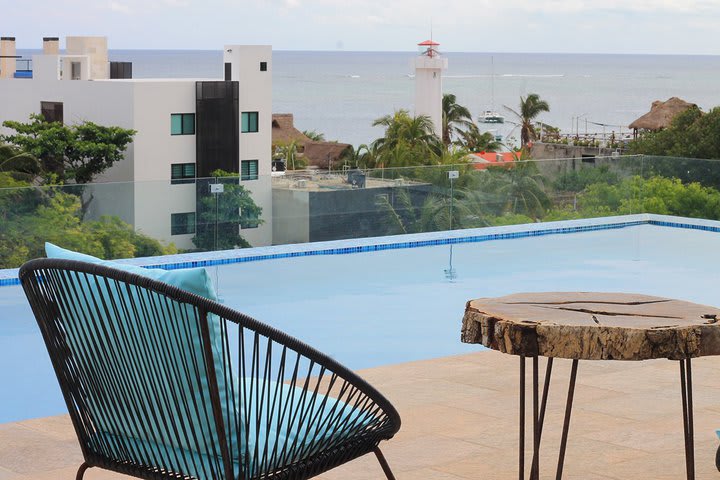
(460, 421)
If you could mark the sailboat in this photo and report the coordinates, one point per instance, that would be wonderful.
(491, 116)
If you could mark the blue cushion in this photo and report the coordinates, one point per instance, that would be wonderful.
(194, 280)
(292, 417)
(188, 348)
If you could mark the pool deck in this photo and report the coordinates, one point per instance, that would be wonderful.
(460, 422)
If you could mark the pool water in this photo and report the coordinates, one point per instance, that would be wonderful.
(384, 307)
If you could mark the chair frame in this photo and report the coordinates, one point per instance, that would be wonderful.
(32, 276)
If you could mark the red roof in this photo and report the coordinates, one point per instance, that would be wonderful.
(428, 43)
(492, 159)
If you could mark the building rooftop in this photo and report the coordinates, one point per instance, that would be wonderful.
(319, 182)
(459, 418)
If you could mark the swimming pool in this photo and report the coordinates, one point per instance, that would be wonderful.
(382, 307)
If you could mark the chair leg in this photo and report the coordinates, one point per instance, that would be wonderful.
(384, 464)
(81, 471)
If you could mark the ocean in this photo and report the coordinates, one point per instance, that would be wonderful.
(340, 93)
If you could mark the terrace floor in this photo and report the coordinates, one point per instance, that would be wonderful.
(460, 421)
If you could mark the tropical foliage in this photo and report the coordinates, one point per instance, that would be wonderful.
(289, 152)
(220, 216)
(530, 107)
(456, 119)
(314, 135)
(67, 154)
(692, 134)
(30, 217)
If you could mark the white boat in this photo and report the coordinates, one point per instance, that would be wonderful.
(491, 116)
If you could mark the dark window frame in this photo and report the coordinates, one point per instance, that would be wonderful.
(52, 111)
(263, 66)
(249, 175)
(182, 173)
(183, 227)
(187, 123)
(249, 128)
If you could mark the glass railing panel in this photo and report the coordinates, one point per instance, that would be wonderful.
(120, 220)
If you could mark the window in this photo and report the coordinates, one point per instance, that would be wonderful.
(249, 122)
(74, 70)
(228, 71)
(182, 223)
(263, 66)
(52, 111)
(182, 173)
(182, 124)
(250, 220)
(249, 170)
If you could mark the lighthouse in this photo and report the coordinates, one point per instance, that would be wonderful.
(429, 65)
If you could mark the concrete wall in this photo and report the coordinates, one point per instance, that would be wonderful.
(146, 106)
(255, 95)
(95, 48)
(7, 49)
(290, 216)
(555, 159)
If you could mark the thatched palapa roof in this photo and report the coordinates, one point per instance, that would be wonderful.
(661, 114)
(320, 154)
(284, 131)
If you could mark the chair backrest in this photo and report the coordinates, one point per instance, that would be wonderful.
(135, 363)
(146, 370)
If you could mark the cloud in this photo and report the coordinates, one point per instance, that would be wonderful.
(119, 7)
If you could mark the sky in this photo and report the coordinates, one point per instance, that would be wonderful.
(563, 26)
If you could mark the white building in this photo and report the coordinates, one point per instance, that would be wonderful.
(428, 83)
(186, 128)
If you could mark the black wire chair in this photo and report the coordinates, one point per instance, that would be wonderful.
(161, 383)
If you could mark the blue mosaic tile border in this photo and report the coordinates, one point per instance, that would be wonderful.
(344, 247)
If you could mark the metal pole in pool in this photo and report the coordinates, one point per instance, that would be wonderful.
(450, 273)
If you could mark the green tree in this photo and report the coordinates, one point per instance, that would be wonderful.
(74, 153)
(522, 189)
(455, 119)
(18, 165)
(221, 215)
(408, 140)
(578, 180)
(530, 108)
(289, 151)
(406, 217)
(691, 135)
(31, 217)
(475, 141)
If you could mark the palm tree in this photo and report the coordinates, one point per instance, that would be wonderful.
(314, 135)
(455, 118)
(414, 135)
(530, 107)
(474, 141)
(289, 152)
(17, 164)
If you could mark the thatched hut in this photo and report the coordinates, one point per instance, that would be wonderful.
(661, 115)
(284, 131)
(324, 154)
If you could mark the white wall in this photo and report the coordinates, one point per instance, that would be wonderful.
(255, 95)
(428, 89)
(146, 106)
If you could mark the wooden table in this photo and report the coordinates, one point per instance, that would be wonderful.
(592, 326)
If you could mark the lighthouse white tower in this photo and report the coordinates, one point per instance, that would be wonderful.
(428, 83)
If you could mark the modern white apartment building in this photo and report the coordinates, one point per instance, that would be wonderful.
(186, 129)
